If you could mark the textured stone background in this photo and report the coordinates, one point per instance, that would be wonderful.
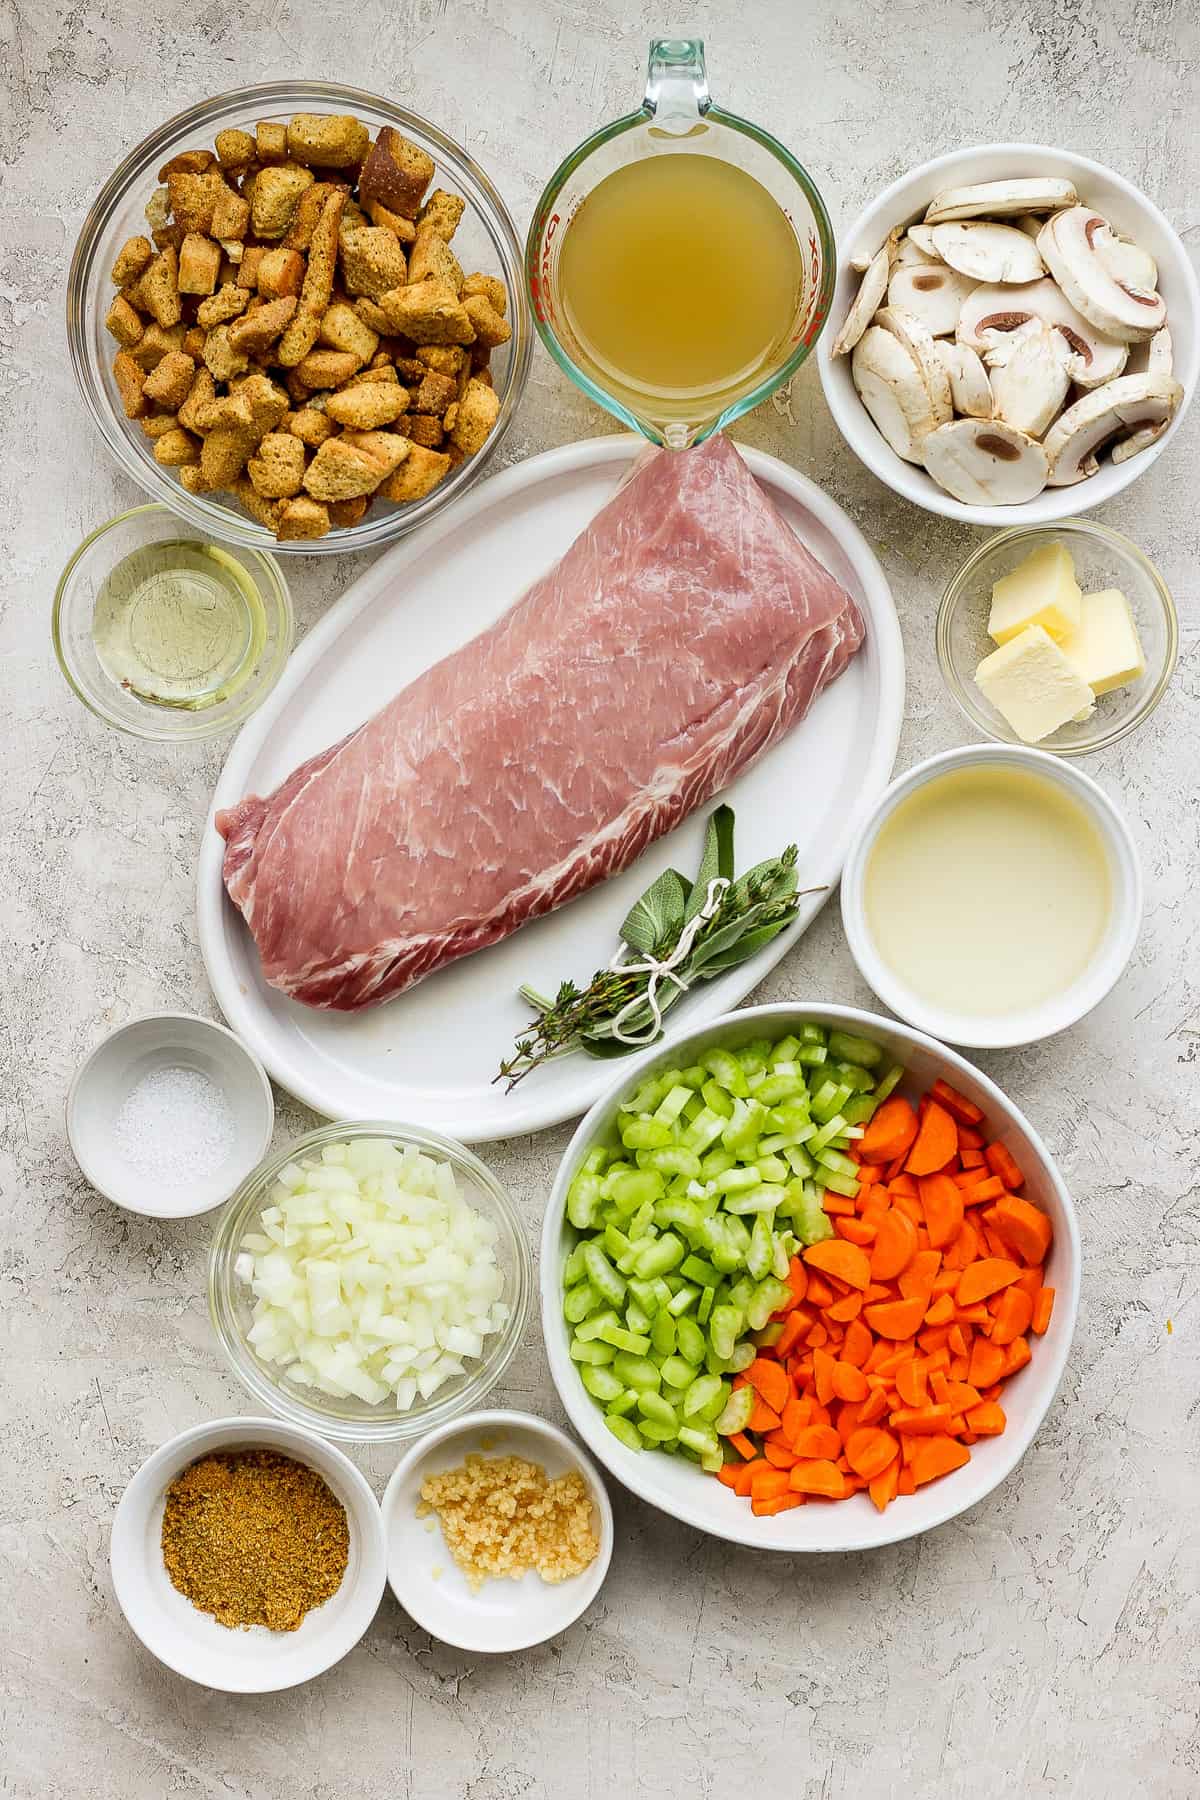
(1044, 1644)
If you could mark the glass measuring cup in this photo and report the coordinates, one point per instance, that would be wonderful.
(677, 118)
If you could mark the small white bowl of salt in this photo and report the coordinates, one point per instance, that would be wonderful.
(169, 1115)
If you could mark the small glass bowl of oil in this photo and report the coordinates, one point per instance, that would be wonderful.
(166, 635)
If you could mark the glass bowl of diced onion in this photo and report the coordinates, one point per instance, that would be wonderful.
(370, 1281)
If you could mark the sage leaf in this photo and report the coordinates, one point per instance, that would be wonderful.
(659, 913)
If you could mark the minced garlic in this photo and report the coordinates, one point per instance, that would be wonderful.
(501, 1516)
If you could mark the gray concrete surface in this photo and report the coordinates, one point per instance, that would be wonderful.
(1046, 1644)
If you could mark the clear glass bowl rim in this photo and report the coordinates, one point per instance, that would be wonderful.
(185, 727)
(779, 377)
(1105, 534)
(253, 1375)
(217, 519)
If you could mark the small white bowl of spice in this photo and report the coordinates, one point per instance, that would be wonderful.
(499, 1532)
(248, 1555)
(169, 1114)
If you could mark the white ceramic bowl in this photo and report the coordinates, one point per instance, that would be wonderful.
(681, 1489)
(904, 202)
(252, 1660)
(114, 1068)
(502, 1615)
(1116, 947)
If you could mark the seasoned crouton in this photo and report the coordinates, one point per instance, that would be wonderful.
(223, 360)
(130, 381)
(421, 428)
(270, 141)
(187, 162)
(342, 329)
(301, 334)
(375, 371)
(225, 304)
(328, 140)
(158, 288)
(280, 272)
(373, 315)
(432, 259)
(265, 512)
(231, 216)
(400, 228)
(224, 451)
(155, 343)
(312, 205)
(156, 425)
(199, 264)
(171, 382)
(310, 426)
(326, 368)
(372, 261)
(342, 471)
(276, 196)
(442, 213)
(277, 466)
(447, 359)
(174, 449)
(193, 478)
(348, 512)
(490, 286)
(385, 448)
(236, 150)
(428, 313)
(396, 172)
(490, 328)
(267, 401)
(367, 405)
(194, 340)
(435, 394)
(247, 275)
(302, 518)
(232, 410)
(157, 210)
(133, 259)
(123, 322)
(203, 392)
(256, 331)
(417, 475)
(477, 413)
(193, 198)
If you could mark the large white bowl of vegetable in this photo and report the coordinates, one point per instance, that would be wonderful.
(690, 1202)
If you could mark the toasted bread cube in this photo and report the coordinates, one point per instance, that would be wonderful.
(432, 259)
(372, 261)
(375, 371)
(328, 140)
(263, 511)
(130, 381)
(193, 199)
(194, 340)
(368, 404)
(270, 141)
(225, 304)
(224, 410)
(199, 264)
(417, 475)
(266, 399)
(188, 162)
(373, 315)
(323, 254)
(155, 343)
(195, 480)
(310, 426)
(422, 428)
(442, 213)
(159, 288)
(326, 368)
(231, 216)
(302, 518)
(280, 273)
(256, 331)
(490, 286)
(221, 357)
(477, 413)
(400, 228)
(341, 471)
(170, 383)
(174, 449)
(247, 275)
(277, 466)
(435, 394)
(348, 512)
(236, 150)
(224, 451)
(387, 448)
(123, 322)
(203, 392)
(342, 329)
(490, 328)
(396, 172)
(428, 313)
(275, 198)
(304, 222)
(156, 425)
(447, 359)
(297, 341)
(132, 260)
(157, 210)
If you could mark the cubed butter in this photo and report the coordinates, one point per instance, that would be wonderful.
(1105, 647)
(1031, 684)
(1042, 590)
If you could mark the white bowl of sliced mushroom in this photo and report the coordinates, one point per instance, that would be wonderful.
(1014, 335)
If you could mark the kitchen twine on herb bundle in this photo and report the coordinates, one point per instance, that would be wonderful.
(661, 969)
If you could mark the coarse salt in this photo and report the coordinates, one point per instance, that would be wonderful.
(172, 1121)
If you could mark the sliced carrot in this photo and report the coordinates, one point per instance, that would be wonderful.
(819, 1292)
(845, 1262)
(728, 1473)
(819, 1476)
(1043, 1306)
(873, 1407)
(941, 1312)
(869, 1451)
(817, 1336)
(762, 1416)
(890, 1133)
(921, 1421)
(936, 1142)
(837, 1205)
(797, 1280)
(1023, 1226)
(1014, 1313)
(942, 1204)
(794, 1327)
(770, 1382)
(905, 1483)
(779, 1456)
(895, 1245)
(1031, 1280)
(857, 1343)
(911, 1383)
(766, 1509)
(938, 1456)
(767, 1482)
(823, 1375)
(794, 1418)
(970, 1159)
(856, 1231)
(978, 1193)
(902, 1186)
(933, 1337)
(883, 1488)
(745, 1475)
(1002, 1164)
(987, 1364)
(817, 1440)
(843, 1312)
(849, 1383)
(987, 1419)
(965, 1247)
(1015, 1355)
(743, 1446)
(895, 1318)
(916, 1282)
(964, 1110)
(984, 1277)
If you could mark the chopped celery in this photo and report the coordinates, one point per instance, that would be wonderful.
(704, 1392)
(669, 1109)
(573, 1269)
(625, 1402)
(706, 1305)
(603, 1277)
(812, 1221)
(634, 1342)
(625, 1430)
(652, 1406)
(594, 1352)
(646, 1134)
(743, 1355)
(578, 1302)
(663, 1334)
(888, 1082)
(846, 1185)
(690, 1341)
(728, 1072)
(736, 1414)
(724, 1328)
(677, 1373)
(854, 1049)
(601, 1383)
(696, 1269)
(636, 1371)
(681, 1302)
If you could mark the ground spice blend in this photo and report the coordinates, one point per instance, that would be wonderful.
(254, 1538)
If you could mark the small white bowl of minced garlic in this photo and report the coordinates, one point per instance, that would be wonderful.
(499, 1532)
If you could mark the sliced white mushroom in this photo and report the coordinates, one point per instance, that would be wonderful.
(992, 311)
(1069, 243)
(984, 462)
(922, 237)
(1160, 358)
(1029, 223)
(862, 308)
(1137, 441)
(1124, 408)
(863, 259)
(909, 255)
(934, 293)
(987, 251)
(970, 388)
(919, 341)
(1127, 262)
(893, 390)
(1030, 375)
(1000, 199)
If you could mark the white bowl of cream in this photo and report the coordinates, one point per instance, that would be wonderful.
(993, 896)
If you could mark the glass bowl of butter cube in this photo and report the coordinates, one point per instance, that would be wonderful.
(1064, 636)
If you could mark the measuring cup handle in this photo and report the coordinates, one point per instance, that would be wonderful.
(677, 95)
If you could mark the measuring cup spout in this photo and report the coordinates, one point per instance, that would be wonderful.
(677, 95)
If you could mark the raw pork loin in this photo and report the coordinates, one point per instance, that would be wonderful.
(679, 637)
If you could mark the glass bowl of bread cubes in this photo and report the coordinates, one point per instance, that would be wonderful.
(297, 314)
